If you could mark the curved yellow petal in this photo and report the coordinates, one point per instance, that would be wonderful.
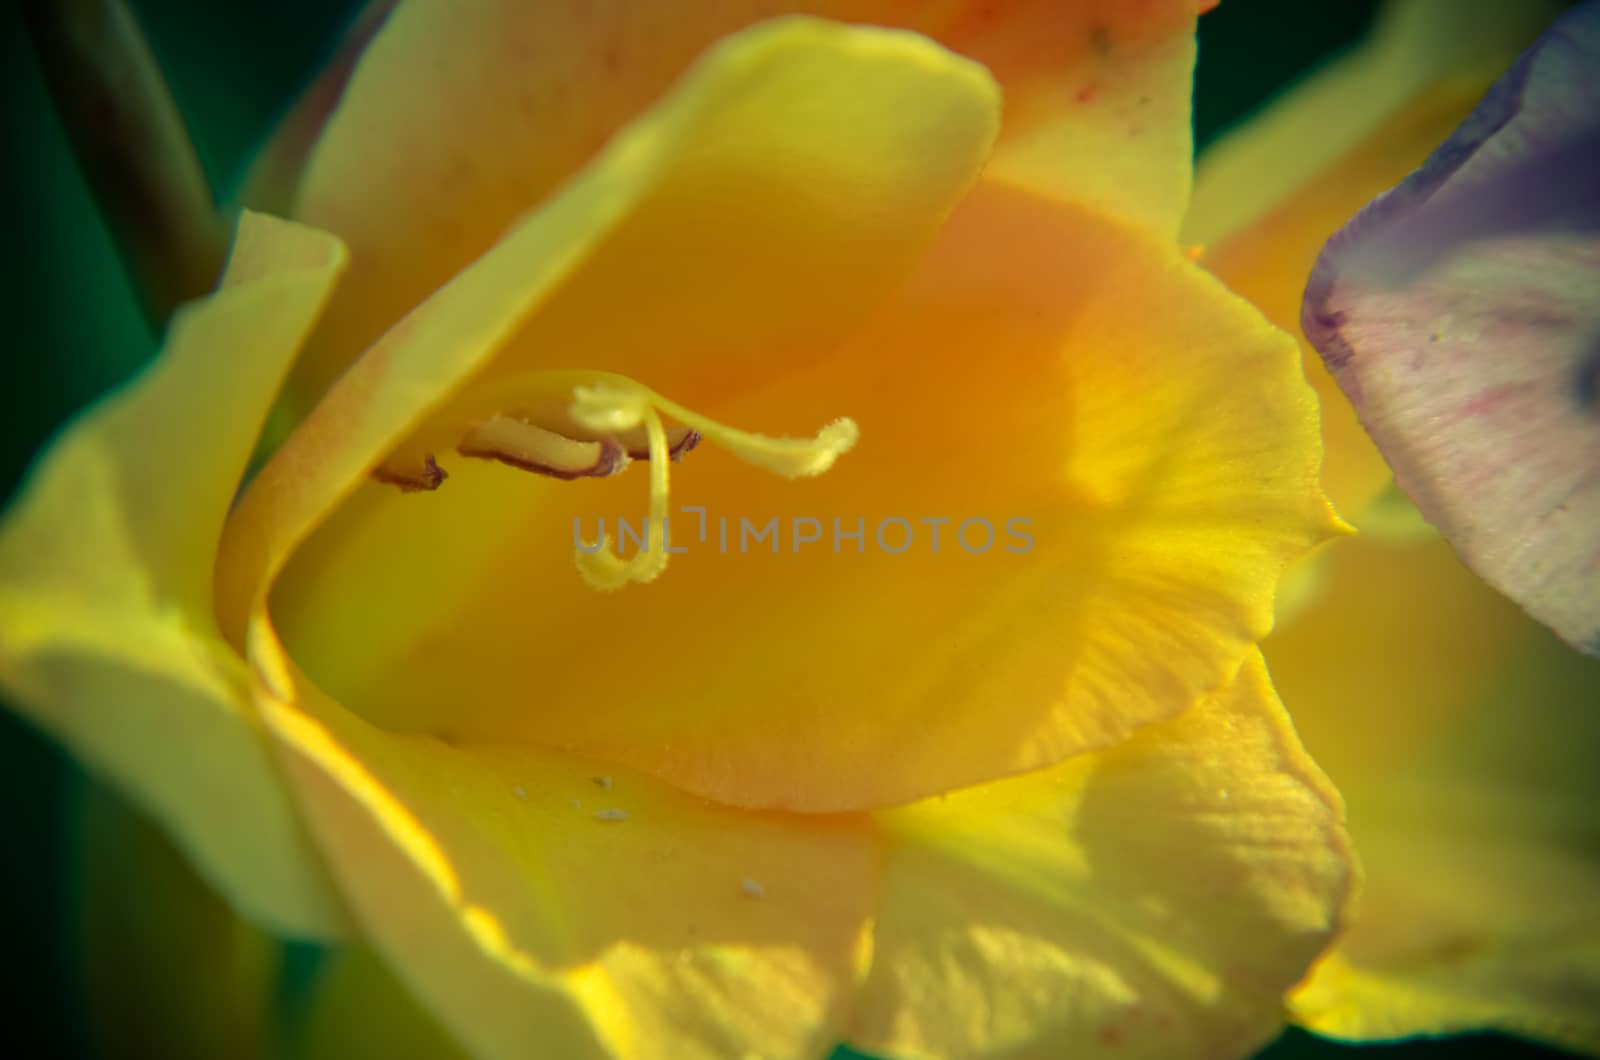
(1466, 743)
(107, 639)
(168, 969)
(1046, 371)
(1153, 900)
(520, 96)
(1268, 196)
(694, 247)
(538, 905)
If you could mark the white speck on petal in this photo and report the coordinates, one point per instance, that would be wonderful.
(520, 792)
(577, 804)
(604, 782)
(611, 815)
(752, 888)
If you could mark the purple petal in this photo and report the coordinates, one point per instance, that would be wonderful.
(1460, 313)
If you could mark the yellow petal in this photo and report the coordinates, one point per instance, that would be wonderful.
(518, 96)
(539, 905)
(1153, 900)
(1268, 196)
(1464, 738)
(168, 969)
(1097, 103)
(708, 243)
(1044, 364)
(107, 639)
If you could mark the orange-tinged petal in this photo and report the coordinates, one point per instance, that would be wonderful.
(1097, 103)
(1152, 900)
(1464, 738)
(107, 639)
(692, 249)
(1269, 195)
(1043, 364)
(519, 96)
(539, 905)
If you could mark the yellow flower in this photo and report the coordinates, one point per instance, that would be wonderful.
(1462, 735)
(933, 802)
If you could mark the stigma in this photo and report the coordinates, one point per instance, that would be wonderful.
(572, 425)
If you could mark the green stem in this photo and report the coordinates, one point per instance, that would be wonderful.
(132, 146)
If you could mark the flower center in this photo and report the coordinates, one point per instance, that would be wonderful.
(575, 424)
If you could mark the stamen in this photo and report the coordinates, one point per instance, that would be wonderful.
(571, 425)
(529, 447)
(421, 474)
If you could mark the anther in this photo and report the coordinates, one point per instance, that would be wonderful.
(571, 425)
(529, 447)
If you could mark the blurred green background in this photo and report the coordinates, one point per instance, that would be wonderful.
(76, 331)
